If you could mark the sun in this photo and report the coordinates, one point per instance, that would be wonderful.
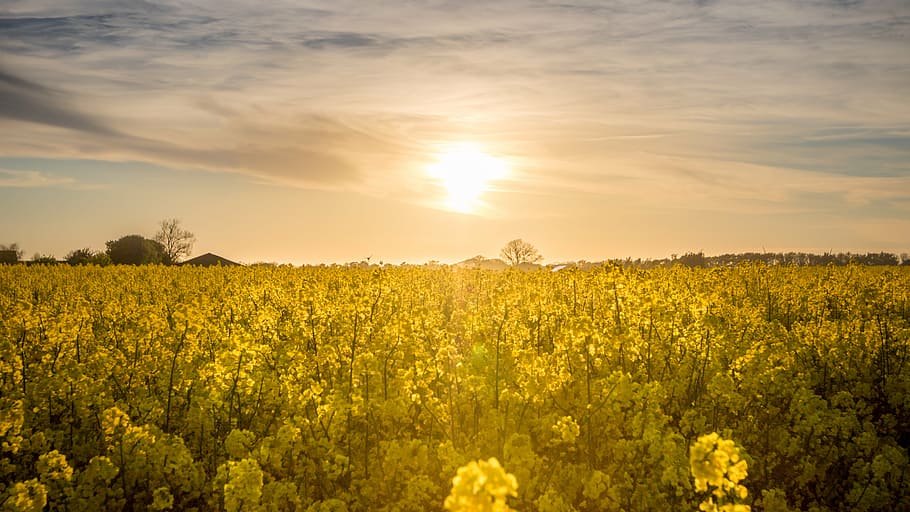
(465, 171)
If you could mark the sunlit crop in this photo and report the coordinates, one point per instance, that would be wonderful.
(413, 389)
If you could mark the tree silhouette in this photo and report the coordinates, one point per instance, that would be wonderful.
(87, 256)
(518, 251)
(43, 259)
(136, 250)
(80, 257)
(177, 242)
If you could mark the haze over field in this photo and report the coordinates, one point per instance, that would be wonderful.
(329, 131)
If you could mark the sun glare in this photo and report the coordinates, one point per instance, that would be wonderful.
(465, 172)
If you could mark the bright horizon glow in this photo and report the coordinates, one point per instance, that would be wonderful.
(465, 171)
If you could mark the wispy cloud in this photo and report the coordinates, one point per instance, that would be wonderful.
(348, 95)
(307, 152)
(31, 179)
(737, 186)
(23, 100)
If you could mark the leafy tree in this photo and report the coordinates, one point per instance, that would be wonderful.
(43, 259)
(177, 242)
(87, 256)
(10, 253)
(518, 251)
(101, 259)
(80, 256)
(136, 250)
(692, 259)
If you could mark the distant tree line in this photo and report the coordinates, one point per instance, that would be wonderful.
(698, 259)
(169, 245)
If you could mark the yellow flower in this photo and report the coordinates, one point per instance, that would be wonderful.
(481, 486)
(716, 463)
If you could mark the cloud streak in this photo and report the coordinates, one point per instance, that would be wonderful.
(23, 100)
(31, 179)
(344, 95)
(263, 152)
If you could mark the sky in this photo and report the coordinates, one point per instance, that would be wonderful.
(315, 131)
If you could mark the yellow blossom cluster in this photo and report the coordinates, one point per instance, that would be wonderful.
(567, 429)
(481, 486)
(718, 467)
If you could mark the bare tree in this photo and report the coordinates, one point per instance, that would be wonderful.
(518, 251)
(177, 242)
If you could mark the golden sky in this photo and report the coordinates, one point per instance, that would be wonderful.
(329, 131)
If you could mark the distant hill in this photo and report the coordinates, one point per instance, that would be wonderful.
(482, 263)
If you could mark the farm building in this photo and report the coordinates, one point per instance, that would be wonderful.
(210, 260)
